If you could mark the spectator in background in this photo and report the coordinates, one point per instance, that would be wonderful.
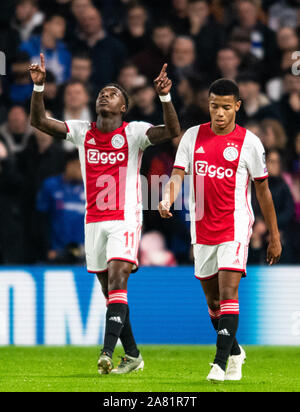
(273, 135)
(145, 107)
(288, 42)
(27, 18)
(81, 68)
(194, 93)
(256, 105)
(183, 58)
(61, 207)
(76, 102)
(240, 41)
(42, 158)
(207, 34)
(135, 36)
(11, 233)
(108, 54)
(287, 39)
(3, 105)
(129, 77)
(228, 63)
(52, 97)
(78, 7)
(9, 37)
(16, 131)
(179, 16)
(20, 89)
(158, 161)
(262, 38)
(150, 60)
(283, 13)
(76, 105)
(254, 127)
(283, 200)
(293, 180)
(284, 207)
(153, 251)
(57, 55)
(289, 106)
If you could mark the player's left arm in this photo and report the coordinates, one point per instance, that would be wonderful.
(266, 204)
(171, 128)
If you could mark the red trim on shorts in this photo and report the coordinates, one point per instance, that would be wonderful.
(207, 278)
(97, 272)
(233, 270)
(243, 271)
(123, 260)
(262, 178)
(67, 127)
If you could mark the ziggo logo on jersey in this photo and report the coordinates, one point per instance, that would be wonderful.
(203, 169)
(94, 156)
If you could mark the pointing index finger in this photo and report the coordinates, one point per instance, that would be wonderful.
(42, 60)
(163, 70)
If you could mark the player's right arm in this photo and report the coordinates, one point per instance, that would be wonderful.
(181, 168)
(171, 192)
(38, 116)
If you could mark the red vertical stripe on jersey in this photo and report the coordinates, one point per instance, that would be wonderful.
(216, 159)
(106, 160)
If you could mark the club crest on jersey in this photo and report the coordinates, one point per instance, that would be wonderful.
(231, 152)
(117, 141)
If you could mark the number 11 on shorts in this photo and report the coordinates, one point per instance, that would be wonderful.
(127, 239)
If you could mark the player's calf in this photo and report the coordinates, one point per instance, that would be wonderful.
(227, 328)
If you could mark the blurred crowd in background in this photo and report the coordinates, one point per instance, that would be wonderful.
(88, 44)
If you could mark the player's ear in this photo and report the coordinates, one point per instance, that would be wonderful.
(123, 109)
(238, 105)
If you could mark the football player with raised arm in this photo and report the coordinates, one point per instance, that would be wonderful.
(110, 153)
(222, 159)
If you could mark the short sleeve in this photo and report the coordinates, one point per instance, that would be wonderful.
(77, 130)
(183, 157)
(256, 161)
(140, 130)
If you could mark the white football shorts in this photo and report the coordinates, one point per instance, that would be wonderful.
(111, 240)
(210, 259)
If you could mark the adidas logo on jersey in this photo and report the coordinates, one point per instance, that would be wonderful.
(200, 150)
(92, 141)
(116, 319)
(224, 332)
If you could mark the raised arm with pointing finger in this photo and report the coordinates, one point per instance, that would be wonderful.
(156, 134)
(37, 109)
(171, 128)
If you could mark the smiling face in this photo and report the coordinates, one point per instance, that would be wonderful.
(223, 111)
(110, 101)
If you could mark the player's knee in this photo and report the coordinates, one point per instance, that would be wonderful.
(213, 304)
(228, 293)
(118, 280)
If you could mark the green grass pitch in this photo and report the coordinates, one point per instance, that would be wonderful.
(167, 369)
